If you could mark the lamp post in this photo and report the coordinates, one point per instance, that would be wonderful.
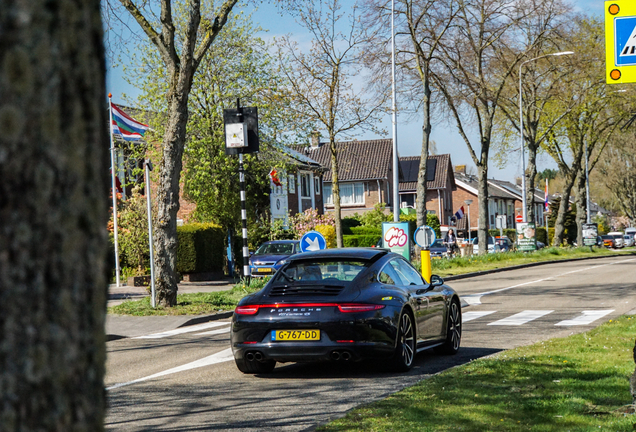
(523, 153)
(468, 202)
(396, 179)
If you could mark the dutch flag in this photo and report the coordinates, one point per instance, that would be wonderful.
(460, 213)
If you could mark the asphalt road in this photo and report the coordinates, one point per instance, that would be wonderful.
(187, 381)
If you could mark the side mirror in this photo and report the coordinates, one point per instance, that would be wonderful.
(436, 281)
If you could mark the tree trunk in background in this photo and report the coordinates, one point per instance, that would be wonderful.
(581, 205)
(420, 203)
(54, 210)
(165, 236)
(335, 191)
(482, 191)
(559, 225)
(531, 174)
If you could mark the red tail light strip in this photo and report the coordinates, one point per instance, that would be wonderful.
(343, 307)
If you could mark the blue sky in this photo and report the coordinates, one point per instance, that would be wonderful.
(269, 17)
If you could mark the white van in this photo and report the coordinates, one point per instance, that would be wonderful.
(619, 241)
(630, 231)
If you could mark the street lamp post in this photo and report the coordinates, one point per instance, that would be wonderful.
(396, 168)
(523, 153)
(468, 202)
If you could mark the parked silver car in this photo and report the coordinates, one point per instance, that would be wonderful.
(628, 240)
(619, 241)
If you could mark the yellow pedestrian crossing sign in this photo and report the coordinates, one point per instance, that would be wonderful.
(620, 41)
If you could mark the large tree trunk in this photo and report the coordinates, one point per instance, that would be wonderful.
(54, 211)
(165, 237)
(335, 191)
(420, 204)
(581, 206)
(482, 193)
(531, 173)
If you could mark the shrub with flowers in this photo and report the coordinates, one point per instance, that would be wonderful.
(307, 221)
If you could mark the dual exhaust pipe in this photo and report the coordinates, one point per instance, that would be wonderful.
(340, 355)
(254, 356)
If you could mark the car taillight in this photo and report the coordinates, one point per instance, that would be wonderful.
(358, 307)
(246, 310)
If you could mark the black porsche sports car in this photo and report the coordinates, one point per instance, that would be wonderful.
(345, 305)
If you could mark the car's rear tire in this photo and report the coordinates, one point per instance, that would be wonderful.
(404, 355)
(255, 367)
(453, 330)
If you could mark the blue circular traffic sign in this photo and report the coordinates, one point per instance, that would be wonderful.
(312, 241)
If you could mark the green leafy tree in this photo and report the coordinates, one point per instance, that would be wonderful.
(180, 45)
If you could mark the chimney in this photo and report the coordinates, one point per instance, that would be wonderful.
(315, 139)
(518, 181)
(461, 169)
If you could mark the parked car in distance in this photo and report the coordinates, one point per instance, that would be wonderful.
(345, 305)
(619, 242)
(270, 256)
(438, 249)
(503, 244)
(491, 245)
(628, 240)
(608, 241)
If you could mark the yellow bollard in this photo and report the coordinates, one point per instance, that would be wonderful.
(427, 270)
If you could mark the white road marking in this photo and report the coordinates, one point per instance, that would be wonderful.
(181, 330)
(521, 317)
(586, 317)
(469, 316)
(220, 357)
(472, 299)
(549, 278)
(214, 332)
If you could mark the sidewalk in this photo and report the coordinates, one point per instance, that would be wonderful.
(118, 327)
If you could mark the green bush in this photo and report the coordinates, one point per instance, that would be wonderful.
(542, 235)
(349, 222)
(366, 230)
(200, 248)
(360, 240)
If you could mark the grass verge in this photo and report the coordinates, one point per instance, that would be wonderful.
(192, 303)
(448, 267)
(579, 383)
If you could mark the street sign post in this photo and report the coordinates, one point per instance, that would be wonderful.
(620, 41)
(501, 224)
(312, 241)
(424, 238)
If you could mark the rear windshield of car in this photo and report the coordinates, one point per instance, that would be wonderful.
(438, 243)
(321, 270)
(275, 249)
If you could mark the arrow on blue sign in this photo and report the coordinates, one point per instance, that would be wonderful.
(312, 241)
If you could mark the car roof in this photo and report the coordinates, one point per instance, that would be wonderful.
(281, 241)
(359, 253)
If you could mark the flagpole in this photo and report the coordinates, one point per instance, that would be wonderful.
(114, 186)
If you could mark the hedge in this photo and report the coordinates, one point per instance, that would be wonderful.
(364, 240)
(347, 223)
(200, 248)
(366, 230)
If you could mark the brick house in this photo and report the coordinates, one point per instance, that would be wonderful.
(301, 186)
(504, 198)
(365, 173)
(440, 184)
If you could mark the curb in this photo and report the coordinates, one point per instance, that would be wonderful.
(522, 266)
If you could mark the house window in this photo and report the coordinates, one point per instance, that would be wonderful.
(350, 194)
(291, 181)
(317, 185)
(305, 186)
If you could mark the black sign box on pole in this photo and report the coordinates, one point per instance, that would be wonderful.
(249, 117)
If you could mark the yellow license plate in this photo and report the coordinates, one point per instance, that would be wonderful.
(295, 335)
(264, 270)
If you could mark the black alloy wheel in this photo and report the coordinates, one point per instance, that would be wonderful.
(453, 331)
(405, 349)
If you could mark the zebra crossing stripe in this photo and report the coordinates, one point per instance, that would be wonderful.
(586, 317)
(181, 330)
(469, 316)
(214, 332)
(521, 318)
